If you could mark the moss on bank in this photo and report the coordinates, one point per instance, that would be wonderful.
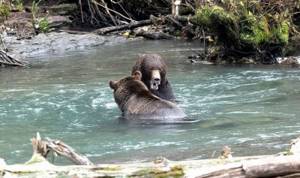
(216, 19)
(246, 29)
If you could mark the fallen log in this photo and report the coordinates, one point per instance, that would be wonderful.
(135, 24)
(103, 31)
(154, 35)
(224, 167)
(6, 60)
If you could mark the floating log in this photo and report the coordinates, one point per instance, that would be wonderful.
(224, 167)
(7, 60)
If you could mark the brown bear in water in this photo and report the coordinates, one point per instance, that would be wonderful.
(137, 102)
(154, 70)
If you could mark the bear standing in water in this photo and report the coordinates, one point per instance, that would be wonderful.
(137, 103)
(154, 71)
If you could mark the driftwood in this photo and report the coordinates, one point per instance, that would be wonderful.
(7, 60)
(162, 19)
(131, 25)
(264, 167)
(154, 35)
(43, 147)
(223, 167)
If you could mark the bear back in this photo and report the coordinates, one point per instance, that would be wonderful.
(137, 102)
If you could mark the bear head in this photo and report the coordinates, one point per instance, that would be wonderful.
(153, 68)
(128, 87)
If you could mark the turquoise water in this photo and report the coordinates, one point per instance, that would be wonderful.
(254, 110)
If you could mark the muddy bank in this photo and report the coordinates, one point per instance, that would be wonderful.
(57, 43)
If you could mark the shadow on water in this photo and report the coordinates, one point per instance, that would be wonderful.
(150, 122)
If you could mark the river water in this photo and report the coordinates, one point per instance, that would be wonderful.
(254, 110)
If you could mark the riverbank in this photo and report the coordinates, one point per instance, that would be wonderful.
(63, 42)
(57, 43)
(230, 32)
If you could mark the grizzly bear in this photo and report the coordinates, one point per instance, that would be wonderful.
(137, 103)
(154, 71)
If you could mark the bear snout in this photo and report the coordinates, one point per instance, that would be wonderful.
(154, 84)
(155, 79)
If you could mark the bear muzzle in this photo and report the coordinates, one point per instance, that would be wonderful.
(155, 80)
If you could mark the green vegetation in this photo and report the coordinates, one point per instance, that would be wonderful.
(43, 25)
(248, 25)
(4, 10)
(255, 29)
(246, 28)
(216, 19)
(18, 4)
(174, 172)
(35, 9)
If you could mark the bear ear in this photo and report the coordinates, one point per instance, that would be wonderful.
(137, 75)
(113, 84)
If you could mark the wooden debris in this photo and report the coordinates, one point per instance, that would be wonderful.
(65, 150)
(272, 167)
(154, 35)
(293, 61)
(43, 147)
(241, 167)
(2, 165)
(175, 7)
(153, 20)
(131, 25)
(7, 60)
(226, 153)
(295, 146)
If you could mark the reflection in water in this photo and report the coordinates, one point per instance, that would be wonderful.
(68, 98)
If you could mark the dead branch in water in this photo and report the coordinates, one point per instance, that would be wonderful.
(43, 147)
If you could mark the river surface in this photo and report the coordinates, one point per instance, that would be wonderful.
(254, 110)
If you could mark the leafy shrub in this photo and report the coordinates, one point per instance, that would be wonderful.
(44, 25)
(4, 10)
(18, 4)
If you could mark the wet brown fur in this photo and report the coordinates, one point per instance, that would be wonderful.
(148, 62)
(134, 99)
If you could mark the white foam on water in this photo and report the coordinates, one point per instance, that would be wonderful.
(111, 105)
(243, 140)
